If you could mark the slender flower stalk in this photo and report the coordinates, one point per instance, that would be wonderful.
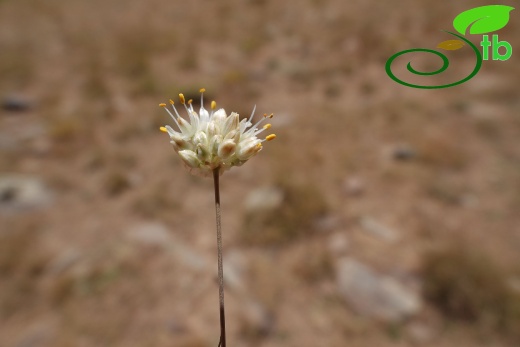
(209, 144)
(222, 341)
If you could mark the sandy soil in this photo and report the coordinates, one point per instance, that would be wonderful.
(124, 252)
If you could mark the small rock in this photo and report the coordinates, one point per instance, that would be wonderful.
(234, 267)
(326, 223)
(469, 200)
(64, 261)
(151, 234)
(354, 186)
(420, 332)
(404, 152)
(338, 244)
(20, 193)
(37, 335)
(374, 227)
(379, 297)
(157, 235)
(264, 198)
(257, 320)
(41, 146)
(176, 327)
(16, 104)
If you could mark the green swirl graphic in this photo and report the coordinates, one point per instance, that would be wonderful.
(445, 64)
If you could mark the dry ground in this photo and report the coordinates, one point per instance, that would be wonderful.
(95, 72)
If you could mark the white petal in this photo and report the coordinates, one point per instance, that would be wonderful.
(203, 115)
(219, 116)
(200, 138)
(247, 149)
(231, 123)
(190, 158)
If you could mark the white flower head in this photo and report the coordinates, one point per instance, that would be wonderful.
(211, 140)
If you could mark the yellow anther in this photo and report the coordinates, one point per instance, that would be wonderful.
(202, 90)
(258, 145)
(172, 102)
(213, 105)
(190, 101)
(270, 137)
(163, 129)
(271, 115)
(181, 98)
(265, 115)
(267, 126)
(162, 104)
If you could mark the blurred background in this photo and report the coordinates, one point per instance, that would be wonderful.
(381, 215)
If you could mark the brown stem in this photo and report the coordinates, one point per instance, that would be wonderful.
(222, 341)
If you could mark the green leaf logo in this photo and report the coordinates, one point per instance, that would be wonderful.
(482, 20)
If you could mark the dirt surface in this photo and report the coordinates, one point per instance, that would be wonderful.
(117, 247)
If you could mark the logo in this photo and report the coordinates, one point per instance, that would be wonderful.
(480, 21)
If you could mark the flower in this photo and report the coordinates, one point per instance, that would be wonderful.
(214, 140)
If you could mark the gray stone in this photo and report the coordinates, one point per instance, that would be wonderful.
(404, 152)
(338, 243)
(257, 318)
(20, 193)
(264, 198)
(420, 332)
(157, 235)
(234, 267)
(354, 186)
(16, 104)
(64, 261)
(327, 223)
(150, 234)
(372, 226)
(375, 296)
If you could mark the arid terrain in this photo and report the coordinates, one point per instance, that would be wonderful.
(381, 215)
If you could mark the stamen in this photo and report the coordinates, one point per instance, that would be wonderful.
(162, 104)
(181, 98)
(265, 127)
(171, 115)
(163, 129)
(252, 114)
(190, 101)
(253, 128)
(202, 90)
(213, 105)
(270, 137)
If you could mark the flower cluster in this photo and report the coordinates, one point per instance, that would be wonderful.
(213, 139)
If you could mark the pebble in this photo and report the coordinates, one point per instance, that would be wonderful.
(21, 193)
(382, 231)
(264, 198)
(16, 104)
(373, 295)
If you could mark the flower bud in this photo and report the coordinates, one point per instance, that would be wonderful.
(248, 148)
(226, 149)
(190, 158)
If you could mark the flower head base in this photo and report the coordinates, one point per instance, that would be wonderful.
(211, 140)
